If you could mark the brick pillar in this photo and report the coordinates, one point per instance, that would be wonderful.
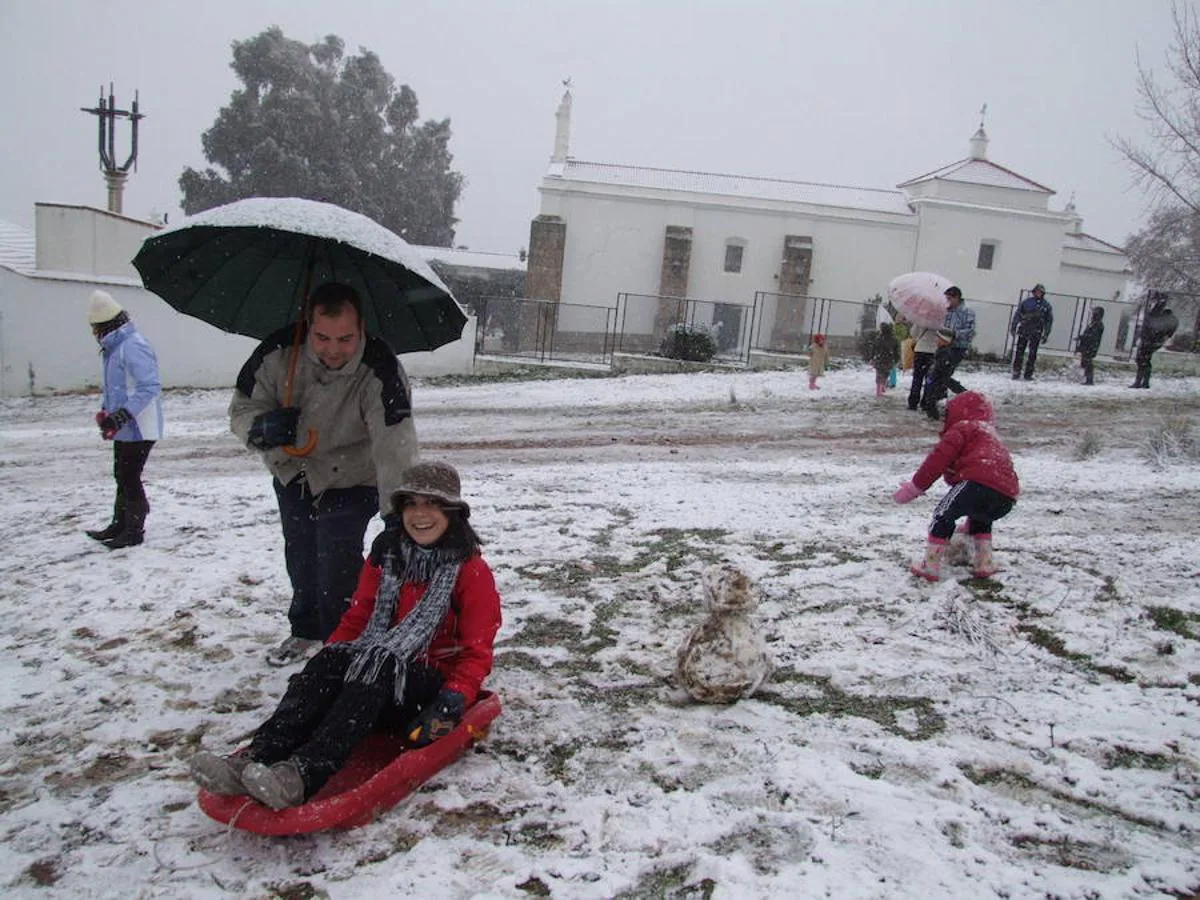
(676, 260)
(788, 332)
(543, 277)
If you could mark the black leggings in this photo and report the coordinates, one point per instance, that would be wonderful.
(129, 459)
(981, 505)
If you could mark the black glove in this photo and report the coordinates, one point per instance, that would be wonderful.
(389, 539)
(114, 422)
(437, 719)
(276, 428)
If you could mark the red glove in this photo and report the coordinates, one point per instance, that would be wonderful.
(101, 416)
(907, 492)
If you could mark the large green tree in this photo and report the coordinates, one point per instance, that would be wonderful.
(1166, 253)
(311, 122)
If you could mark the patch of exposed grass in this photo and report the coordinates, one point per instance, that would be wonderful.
(1174, 620)
(1121, 757)
(792, 556)
(1090, 444)
(880, 709)
(1056, 646)
(669, 883)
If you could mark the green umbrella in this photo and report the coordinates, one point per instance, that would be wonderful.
(247, 266)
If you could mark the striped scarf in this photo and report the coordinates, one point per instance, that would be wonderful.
(381, 642)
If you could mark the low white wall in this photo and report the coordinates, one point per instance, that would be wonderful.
(43, 326)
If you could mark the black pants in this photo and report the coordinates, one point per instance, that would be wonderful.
(980, 504)
(921, 364)
(321, 718)
(1142, 359)
(129, 459)
(323, 549)
(1032, 341)
(1088, 364)
(941, 378)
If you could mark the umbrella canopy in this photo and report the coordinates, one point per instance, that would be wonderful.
(919, 297)
(244, 268)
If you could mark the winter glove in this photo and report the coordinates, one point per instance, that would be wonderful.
(275, 428)
(111, 423)
(389, 539)
(907, 492)
(437, 719)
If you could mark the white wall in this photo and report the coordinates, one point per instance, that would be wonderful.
(84, 240)
(43, 323)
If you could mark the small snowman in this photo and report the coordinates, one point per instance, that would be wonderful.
(724, 659)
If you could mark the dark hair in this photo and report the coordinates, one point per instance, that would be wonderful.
(953, 291)
(460, 537)
(331, 298)
(100, 329)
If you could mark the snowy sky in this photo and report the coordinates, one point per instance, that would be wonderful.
(853, 92)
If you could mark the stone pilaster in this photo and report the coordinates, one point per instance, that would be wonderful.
(543, 275)
(788, 332)
(673, 282)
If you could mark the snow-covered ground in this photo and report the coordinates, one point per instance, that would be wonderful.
(1036, 734)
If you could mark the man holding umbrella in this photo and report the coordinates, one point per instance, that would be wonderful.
(954, 340)
(349, 393)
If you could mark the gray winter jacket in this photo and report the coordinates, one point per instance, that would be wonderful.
(362, 414)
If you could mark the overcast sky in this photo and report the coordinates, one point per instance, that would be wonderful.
(842, 91)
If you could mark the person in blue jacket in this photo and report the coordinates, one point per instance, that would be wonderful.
(131, 415)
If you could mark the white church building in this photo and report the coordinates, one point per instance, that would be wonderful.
(776, 260)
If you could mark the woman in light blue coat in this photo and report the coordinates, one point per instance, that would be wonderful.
(130, 417)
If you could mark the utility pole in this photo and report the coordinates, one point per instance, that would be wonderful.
(107, 114)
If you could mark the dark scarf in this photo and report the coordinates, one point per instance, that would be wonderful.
(405, 562)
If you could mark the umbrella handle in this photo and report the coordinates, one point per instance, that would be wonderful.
(309, 445)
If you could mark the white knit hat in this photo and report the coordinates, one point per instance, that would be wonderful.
(103, 308)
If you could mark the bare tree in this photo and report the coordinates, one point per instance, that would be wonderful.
(1166, 253)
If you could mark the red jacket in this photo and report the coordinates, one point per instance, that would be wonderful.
(970, 449)
(462, 647)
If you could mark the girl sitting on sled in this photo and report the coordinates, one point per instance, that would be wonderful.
(412, 650)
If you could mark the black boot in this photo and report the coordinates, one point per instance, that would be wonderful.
(132, 533)
(115, 527)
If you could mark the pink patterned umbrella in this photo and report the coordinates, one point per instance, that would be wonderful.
(918, 296)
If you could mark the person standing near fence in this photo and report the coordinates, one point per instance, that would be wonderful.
(954, 340)
(1088, 345)
(818, 358)
(1031, 324)
(1158, 327)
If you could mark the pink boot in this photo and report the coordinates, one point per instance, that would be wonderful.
(812, 383)
(930, 568)
(879, 388)
(984, 565)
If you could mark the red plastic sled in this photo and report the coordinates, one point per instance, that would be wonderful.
(379, 774)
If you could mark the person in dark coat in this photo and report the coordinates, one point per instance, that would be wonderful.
(983, 483)
(1088, 345)
(1158, 327)
(954, 342)
(885, 355)
(131, 415)
(412, 650)
(1031, 324)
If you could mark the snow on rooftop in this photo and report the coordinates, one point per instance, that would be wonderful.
(18, 248)
(749, 187)
(472, 259)
(981, 171)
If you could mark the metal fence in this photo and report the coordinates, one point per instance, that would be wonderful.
(544, 330)
(646, 323)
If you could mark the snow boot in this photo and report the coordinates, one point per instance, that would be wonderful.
(930, 568)
(219, 774)
(133, 532)
(278, 786)
(812, 383)
(113, 528)
(984, 565)
(880, 387)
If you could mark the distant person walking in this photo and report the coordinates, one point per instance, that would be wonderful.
(818, 358)
(924, 350)
(130, 415)
(885, 354)
(1087, 345)
(954, 340)
(1031, 324)
(1158, 327)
